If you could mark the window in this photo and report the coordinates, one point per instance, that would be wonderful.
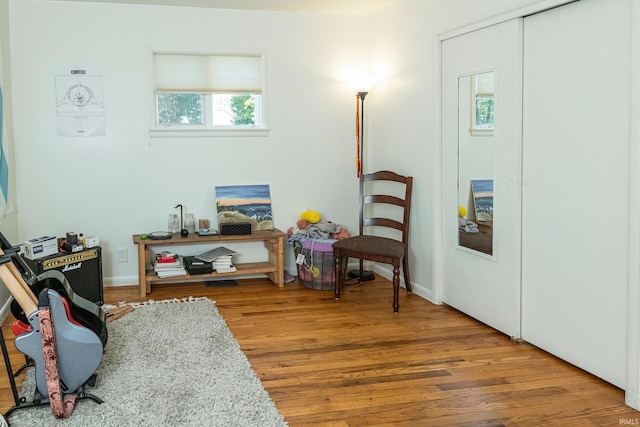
(484, 111)
(482, 104)
(204, 93)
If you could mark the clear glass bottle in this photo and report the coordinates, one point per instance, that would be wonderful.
(173, 225)
(190, 223)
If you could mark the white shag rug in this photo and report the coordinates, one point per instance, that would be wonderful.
(167, 363)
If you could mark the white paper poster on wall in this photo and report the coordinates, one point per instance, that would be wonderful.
(79, 101)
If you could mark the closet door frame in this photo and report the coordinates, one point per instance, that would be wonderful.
(632, 389)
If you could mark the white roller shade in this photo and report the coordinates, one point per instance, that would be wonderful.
(207, 73)
(484, 84)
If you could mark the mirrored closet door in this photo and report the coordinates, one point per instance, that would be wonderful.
(481, 92)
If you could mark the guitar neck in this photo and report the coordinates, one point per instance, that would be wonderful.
(13, 280)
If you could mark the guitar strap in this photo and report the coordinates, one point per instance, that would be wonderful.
(61, 406)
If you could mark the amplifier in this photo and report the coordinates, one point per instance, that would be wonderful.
(82, 269)
(235, 228)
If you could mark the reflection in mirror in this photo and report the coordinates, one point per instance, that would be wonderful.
(476, 161)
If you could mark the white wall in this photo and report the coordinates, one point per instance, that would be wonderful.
(123, 183)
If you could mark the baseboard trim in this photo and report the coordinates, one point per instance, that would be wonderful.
(120, 281)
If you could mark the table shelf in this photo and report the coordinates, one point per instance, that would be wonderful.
(273, 268)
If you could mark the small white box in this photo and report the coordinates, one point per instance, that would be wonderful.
(40, 247)
(91, 241)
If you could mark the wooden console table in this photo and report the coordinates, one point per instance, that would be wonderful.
(274, 268)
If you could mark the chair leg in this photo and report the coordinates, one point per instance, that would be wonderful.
(405, 270)
(361, 274)
(337, 275)
(340, 271)
(396, 288)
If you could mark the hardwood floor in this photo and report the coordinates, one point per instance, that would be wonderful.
(354, 362)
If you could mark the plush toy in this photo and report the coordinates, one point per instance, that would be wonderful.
(312, 217)
(342, 234)
(323, 230)
(315, 272)
(462, 223)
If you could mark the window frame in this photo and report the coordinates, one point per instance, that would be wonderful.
(262, 129)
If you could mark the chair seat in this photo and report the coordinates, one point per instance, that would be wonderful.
(372, 245)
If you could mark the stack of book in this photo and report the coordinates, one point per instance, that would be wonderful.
(168, 264)
(220, 258)
(223, 264)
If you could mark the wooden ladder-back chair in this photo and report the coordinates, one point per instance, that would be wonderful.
(373, 247)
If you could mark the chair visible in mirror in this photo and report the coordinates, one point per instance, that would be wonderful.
(389, 209)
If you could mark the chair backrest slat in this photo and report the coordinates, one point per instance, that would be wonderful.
(383, 222)
(384, 198)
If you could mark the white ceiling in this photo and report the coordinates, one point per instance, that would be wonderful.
(344, 7)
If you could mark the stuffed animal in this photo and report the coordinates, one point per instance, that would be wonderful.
(323, 230)
(463, 224)
(312, 217)
(462, 212)
(342, 234)
(309, 226)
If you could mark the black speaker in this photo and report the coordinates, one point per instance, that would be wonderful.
(82, 269)
(235, 228)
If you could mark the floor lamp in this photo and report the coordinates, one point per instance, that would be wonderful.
(360, 129)
(355, 274)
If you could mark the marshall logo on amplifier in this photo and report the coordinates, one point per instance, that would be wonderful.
(70, 267)
(82, 269)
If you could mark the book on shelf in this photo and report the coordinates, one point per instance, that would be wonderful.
(166, 257)
(223, 260)
(223, 264)
(215, 253)
(171, 273)
(170, 269)
(229, 269)
(168, 265)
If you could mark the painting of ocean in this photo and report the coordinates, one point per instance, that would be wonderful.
(483, 198)
(245, 203)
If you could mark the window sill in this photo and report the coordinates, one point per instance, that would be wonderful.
(481, 132)
(208, 133)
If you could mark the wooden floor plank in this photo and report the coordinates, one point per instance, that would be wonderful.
(353, 362)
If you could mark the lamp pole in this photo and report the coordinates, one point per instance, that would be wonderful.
(361, 95)
(355, 274)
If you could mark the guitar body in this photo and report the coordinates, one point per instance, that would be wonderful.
(82, 310)
(79, 349)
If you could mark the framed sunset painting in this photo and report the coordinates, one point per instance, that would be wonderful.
(245, 203)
